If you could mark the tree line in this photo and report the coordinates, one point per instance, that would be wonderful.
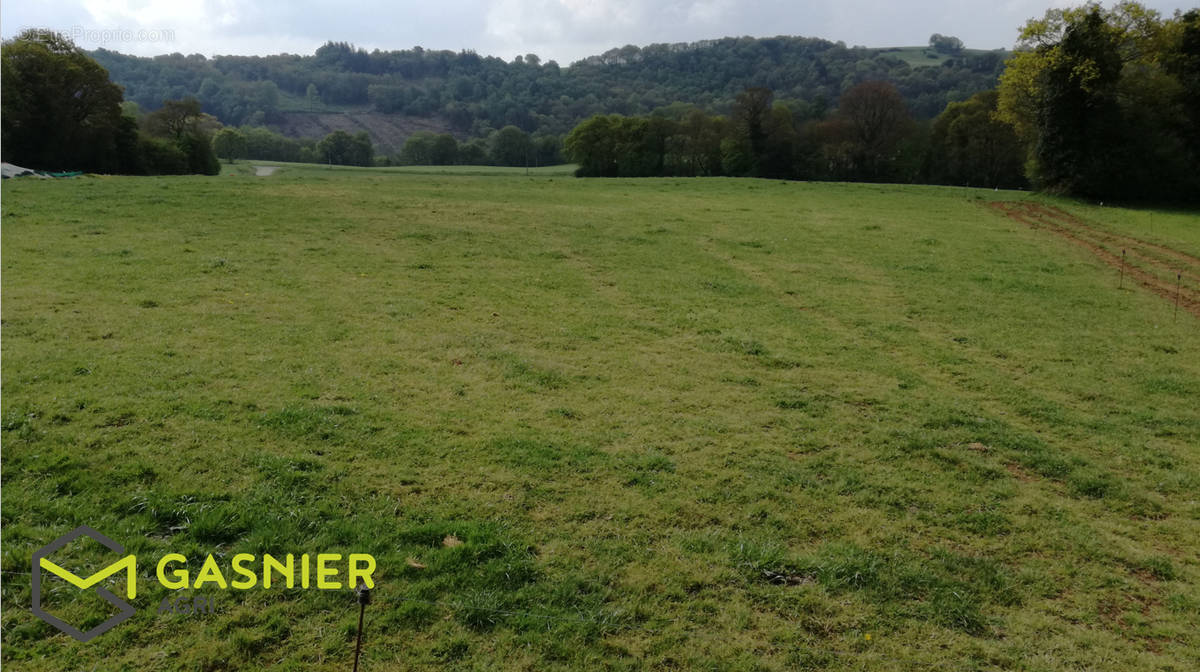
(1100, 103)
(61, 112)
(509, 146)
(1106, 102)
(257, 142)
(870, 136)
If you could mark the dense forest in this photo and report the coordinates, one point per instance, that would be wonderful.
(871, 136)
(1100, 103)
(475, 95)
(1095, 102)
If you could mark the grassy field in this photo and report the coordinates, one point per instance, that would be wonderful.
(246, 168)
(602, 424)
(920, 57)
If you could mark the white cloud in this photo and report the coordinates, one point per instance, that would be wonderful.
(563, 30)
(710, 12)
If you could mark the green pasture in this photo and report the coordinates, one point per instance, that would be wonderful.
(652, 424)
(246, 167)
(919, 57)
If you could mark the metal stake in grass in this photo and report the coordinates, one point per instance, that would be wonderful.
(364, 598)
(1121, 284)
(1178, 284)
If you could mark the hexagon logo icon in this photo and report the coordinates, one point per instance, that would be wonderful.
(128, 563)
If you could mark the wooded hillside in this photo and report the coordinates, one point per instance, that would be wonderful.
(471, 95)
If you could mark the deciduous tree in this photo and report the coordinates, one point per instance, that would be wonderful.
(750, 116)
(946, 44)
(1096, 98)
(593, 145)
(443, 150)
(877, 120)
(511, 147)
(971, 147)
(59, 109)
(345, 149)
(229, 144)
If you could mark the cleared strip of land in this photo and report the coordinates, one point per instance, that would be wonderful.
(1160, 269)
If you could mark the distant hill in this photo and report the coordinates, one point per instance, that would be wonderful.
(387, 131)
(470, 95)
(920, 57)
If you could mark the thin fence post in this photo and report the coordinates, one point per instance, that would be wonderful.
(364, 598)
(1178, 285)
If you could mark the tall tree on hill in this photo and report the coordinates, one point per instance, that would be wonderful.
(946, 44)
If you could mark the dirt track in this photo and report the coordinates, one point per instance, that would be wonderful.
(1153, 266)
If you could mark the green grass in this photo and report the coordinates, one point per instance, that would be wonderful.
(677, 424)
(919, 57)
(246, 167)
(1176, 229)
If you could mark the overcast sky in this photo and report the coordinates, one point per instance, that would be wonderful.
(563, 30)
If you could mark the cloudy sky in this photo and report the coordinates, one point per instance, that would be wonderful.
(564, 30)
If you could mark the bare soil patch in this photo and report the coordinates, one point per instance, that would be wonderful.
(1153, 266)
(388, 131)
